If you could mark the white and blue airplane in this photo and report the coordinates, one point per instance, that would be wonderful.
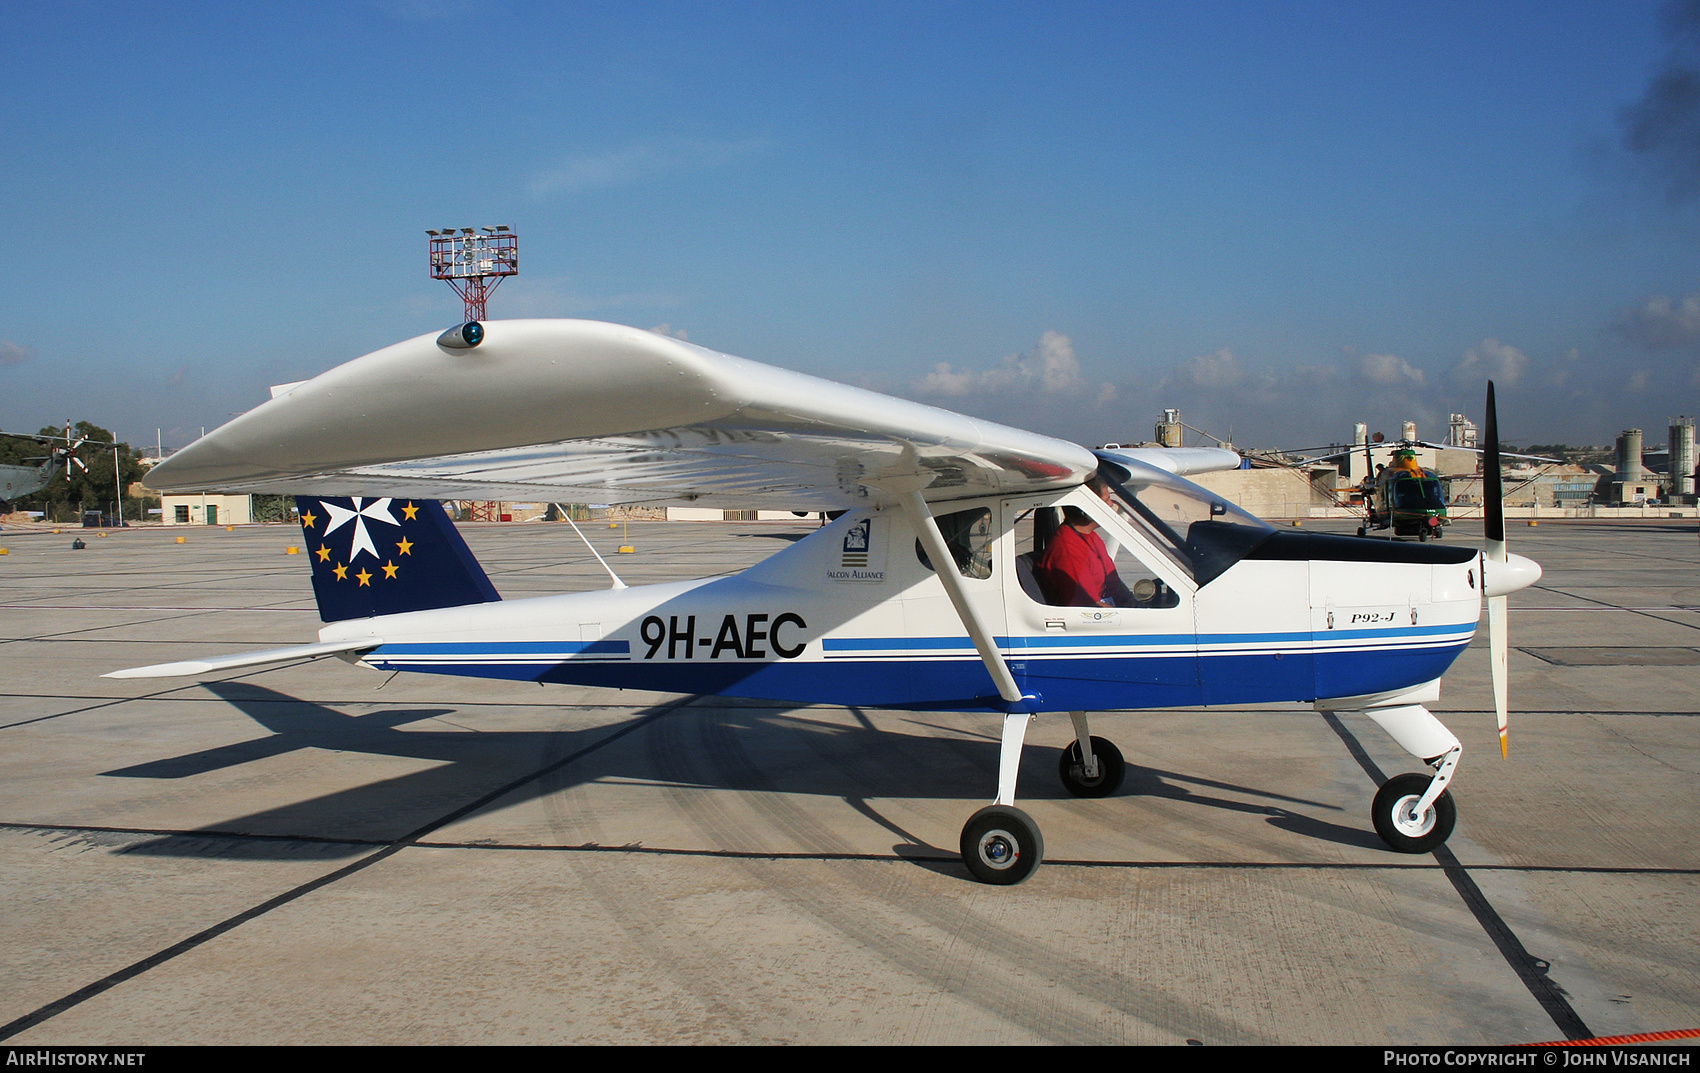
(920, 595)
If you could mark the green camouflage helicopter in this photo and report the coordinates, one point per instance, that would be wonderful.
(1407, 499)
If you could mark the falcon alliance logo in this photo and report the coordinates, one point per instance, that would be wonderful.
(856, 544)
(860, 557)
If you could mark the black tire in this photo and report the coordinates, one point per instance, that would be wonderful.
(1422, 536)
(1362, 531)
(1111, 769)
(1403, 833)
(1001, 845)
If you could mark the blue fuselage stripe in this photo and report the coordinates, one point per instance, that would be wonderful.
(1139, 640)
(1060, 681)
(503, 648)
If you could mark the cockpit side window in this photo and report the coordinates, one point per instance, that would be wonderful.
(968, 535)
(1064, 560)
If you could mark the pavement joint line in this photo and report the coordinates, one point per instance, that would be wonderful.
(808, 855)
(70, 634)
(1608, 607)
(1617, 607)
(135, 969)
(1532, 971)
(209, 832)
(156, 695)
(1555, 711)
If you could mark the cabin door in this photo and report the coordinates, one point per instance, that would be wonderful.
(1137, 647)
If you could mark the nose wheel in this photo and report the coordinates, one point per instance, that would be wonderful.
(1401, 825)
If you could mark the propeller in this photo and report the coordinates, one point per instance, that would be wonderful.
(1493, 526)
(1502, 572)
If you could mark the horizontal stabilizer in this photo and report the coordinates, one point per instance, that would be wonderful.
(212, 665)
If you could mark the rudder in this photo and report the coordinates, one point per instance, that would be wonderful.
(386, 556)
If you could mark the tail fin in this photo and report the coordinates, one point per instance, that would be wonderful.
(386, 556)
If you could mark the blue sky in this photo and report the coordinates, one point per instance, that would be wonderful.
(1279, 217)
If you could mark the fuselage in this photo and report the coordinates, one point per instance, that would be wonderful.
(19, 481)
(852, 614)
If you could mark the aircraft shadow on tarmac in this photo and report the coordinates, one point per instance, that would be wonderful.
(772, 750)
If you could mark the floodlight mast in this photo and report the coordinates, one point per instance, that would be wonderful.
(474, 264)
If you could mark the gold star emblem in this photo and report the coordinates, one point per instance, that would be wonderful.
(409, 511)
(365, 577)
(389, 569)
(309, 520)
(324, 554)
(340, 571)
(405, 547)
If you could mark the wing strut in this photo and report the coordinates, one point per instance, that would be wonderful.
(915, 506)
(618, 584)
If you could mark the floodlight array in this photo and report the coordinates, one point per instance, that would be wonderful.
(474, 261)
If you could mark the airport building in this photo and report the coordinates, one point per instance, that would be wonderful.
(206, 510)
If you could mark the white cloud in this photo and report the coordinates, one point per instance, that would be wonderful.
(1637, 381)
(667, 329)
(1050, 368)
(1661, 322)
(1389, 370)
(14, 353)
(1491, 360)
(587, 171)
(1217, 369)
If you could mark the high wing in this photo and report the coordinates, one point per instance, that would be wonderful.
(583, 411)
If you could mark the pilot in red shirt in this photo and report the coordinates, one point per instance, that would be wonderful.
(1076, 570)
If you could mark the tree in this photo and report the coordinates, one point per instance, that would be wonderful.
(269, 508)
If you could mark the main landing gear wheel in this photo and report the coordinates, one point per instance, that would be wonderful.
(1402, 829)
(1111, 768)
(1002, 845)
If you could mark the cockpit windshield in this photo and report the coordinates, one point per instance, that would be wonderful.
(1201, 532)
(1412, 493)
